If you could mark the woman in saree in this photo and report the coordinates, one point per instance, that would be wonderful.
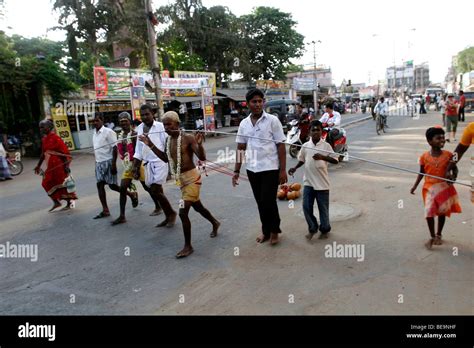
(57, 158)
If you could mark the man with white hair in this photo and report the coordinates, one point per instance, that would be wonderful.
(179, 153)
(156, 171)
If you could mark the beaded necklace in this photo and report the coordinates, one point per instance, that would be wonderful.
(175, 169)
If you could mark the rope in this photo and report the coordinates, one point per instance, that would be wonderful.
(301, 146)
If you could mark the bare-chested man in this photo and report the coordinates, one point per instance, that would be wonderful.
(185, 173)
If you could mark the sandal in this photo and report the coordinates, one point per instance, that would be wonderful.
(135, 200)
(438, 240)
(429, 244)
(101, 215)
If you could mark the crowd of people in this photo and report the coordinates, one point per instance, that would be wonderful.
(154, 150)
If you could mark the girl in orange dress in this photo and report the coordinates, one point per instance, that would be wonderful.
(440, 197)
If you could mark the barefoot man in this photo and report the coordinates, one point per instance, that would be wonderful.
(127, 141)
(180, 149)
(265, 161)
(156, 171)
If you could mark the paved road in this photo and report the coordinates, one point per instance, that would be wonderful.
(89, 259)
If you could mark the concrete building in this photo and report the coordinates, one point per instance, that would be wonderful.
(400, 77)
(422, 77)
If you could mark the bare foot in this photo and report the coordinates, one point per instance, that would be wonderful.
(262, 238)
(119, 220)
(215, 227)
(438, 240)
(55, 206)
(188, 250)
(65, 208)
(274, 239)
(156, 212)
(169, 221)
(429, 244)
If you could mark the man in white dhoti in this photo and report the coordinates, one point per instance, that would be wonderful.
(156, 171)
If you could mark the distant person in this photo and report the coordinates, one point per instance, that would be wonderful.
(332, 120)
(440, 198)
(382, 109)
(451, 111)
(422, 105)
(442, 108)
(462, 104)
(109, 123)
(316, 180)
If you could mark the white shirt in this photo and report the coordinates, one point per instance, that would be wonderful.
(261, 155)
(381, 108)
(158, 136)
(315, 171)
(334, 122)
(110, 125)
(104, 141)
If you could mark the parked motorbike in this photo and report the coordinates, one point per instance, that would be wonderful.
(340, 144)
(297, 135)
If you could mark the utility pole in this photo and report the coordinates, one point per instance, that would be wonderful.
(155, 67)
(315, 78)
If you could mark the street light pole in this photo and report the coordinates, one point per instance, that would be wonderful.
(315, 78)
(155, 67)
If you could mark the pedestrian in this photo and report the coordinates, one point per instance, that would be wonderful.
(4, 169)
(265, 162)
(466, 140)
(441, 107)
(56, 155)
(440, 198)
(422, 105)
(126, 144)
(462, 104)
(156, 170)
(180, 149)
(451, 111)
(316, 180)
(105, 151)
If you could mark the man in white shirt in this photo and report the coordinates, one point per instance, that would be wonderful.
(105, 150)
(332, 120)
(261, 138)
(156, 171)
(382, 109)
(316, 180)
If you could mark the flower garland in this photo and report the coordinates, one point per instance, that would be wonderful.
(176, 173)
(126, 159)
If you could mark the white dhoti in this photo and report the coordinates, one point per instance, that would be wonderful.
(156, 173)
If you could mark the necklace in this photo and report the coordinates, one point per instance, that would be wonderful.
(175, 169)
(126, 139)
(436, 159)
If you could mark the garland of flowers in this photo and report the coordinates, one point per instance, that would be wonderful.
(176, 173)
(126, 159)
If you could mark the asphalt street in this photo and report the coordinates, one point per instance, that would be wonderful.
(86, 266)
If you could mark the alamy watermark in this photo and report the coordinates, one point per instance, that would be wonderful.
(229, 155)
(37, 331)
(345, 251)
(20, 251)
(72, 108)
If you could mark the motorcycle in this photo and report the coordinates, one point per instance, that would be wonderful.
(297, 135)
(340, 145)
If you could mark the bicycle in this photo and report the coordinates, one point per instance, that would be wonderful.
(14, 164)
(379, 124)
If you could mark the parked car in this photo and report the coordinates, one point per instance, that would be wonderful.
(284, 109)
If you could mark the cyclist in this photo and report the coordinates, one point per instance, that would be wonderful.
(382, 110)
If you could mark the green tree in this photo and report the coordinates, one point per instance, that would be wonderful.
(270, 41)
(465, 60)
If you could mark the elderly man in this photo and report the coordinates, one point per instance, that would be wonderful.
(180, 150)
(156, 170)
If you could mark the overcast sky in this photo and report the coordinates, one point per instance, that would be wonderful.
(358, 38)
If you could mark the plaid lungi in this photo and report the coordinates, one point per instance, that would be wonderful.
(4, 169)
(103, 172)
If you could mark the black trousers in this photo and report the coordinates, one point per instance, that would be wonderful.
(265, 186)
(461, 114)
